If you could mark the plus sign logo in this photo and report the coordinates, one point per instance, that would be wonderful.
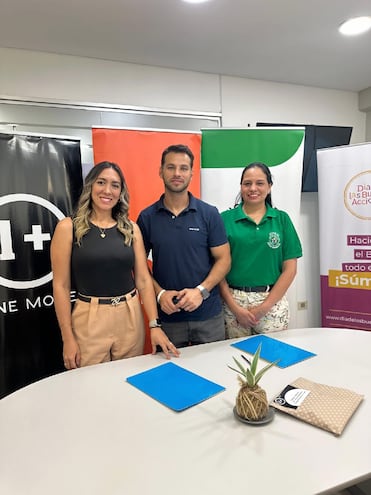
(26, 225)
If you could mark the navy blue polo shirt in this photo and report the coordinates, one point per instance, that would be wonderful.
(180, 248)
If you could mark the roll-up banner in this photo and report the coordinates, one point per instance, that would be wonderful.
(224, 154)
(344, 194)
(40, 181)
(138, 153)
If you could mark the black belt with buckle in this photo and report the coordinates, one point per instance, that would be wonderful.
(258, 288)
(108, 300)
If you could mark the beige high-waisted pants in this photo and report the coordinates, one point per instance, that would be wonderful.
(106, 332)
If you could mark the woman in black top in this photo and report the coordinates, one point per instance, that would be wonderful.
(102, 250)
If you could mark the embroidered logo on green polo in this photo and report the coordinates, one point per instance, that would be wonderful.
(274, 241)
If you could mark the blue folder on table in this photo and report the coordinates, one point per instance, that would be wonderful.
(273, 350)
(174, 386)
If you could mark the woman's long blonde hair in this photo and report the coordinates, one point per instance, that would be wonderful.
(81, 219)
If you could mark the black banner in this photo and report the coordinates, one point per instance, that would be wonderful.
(40, 181)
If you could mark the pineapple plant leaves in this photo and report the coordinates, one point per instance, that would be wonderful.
(251, 377)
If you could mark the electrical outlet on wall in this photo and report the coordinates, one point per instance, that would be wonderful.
(302, 305)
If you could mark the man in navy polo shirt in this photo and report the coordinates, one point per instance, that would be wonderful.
(190, 254)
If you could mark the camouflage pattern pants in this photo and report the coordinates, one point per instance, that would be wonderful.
(275, 320)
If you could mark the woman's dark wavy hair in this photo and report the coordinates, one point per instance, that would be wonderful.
(263, 167)
(81, 218)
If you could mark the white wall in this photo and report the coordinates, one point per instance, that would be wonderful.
(365, 106)
(44, 75)
(241, 102)
(247, 101)
(368, 127)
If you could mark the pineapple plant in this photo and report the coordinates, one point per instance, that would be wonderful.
(251, 401)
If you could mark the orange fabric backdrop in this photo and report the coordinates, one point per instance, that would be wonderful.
(138, 153)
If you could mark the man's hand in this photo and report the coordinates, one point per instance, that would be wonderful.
(189, 299)
(169, 302)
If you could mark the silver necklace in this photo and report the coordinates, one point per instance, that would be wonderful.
(102, 232)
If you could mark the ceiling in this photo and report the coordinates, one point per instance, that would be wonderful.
(291, 41)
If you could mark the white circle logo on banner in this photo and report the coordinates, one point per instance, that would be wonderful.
(357, 195)
(36, 237)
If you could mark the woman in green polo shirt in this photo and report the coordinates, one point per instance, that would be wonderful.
(264, 249)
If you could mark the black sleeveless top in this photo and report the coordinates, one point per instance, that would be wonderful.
(102, 267)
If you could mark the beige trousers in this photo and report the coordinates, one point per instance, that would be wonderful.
(105, 332)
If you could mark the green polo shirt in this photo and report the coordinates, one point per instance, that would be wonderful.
(258, 251)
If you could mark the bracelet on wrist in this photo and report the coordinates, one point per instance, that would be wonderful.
(159, 295)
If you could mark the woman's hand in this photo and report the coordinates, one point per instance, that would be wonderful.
(159, 337)
(246, 317)
(71, 354)
(258, 311)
